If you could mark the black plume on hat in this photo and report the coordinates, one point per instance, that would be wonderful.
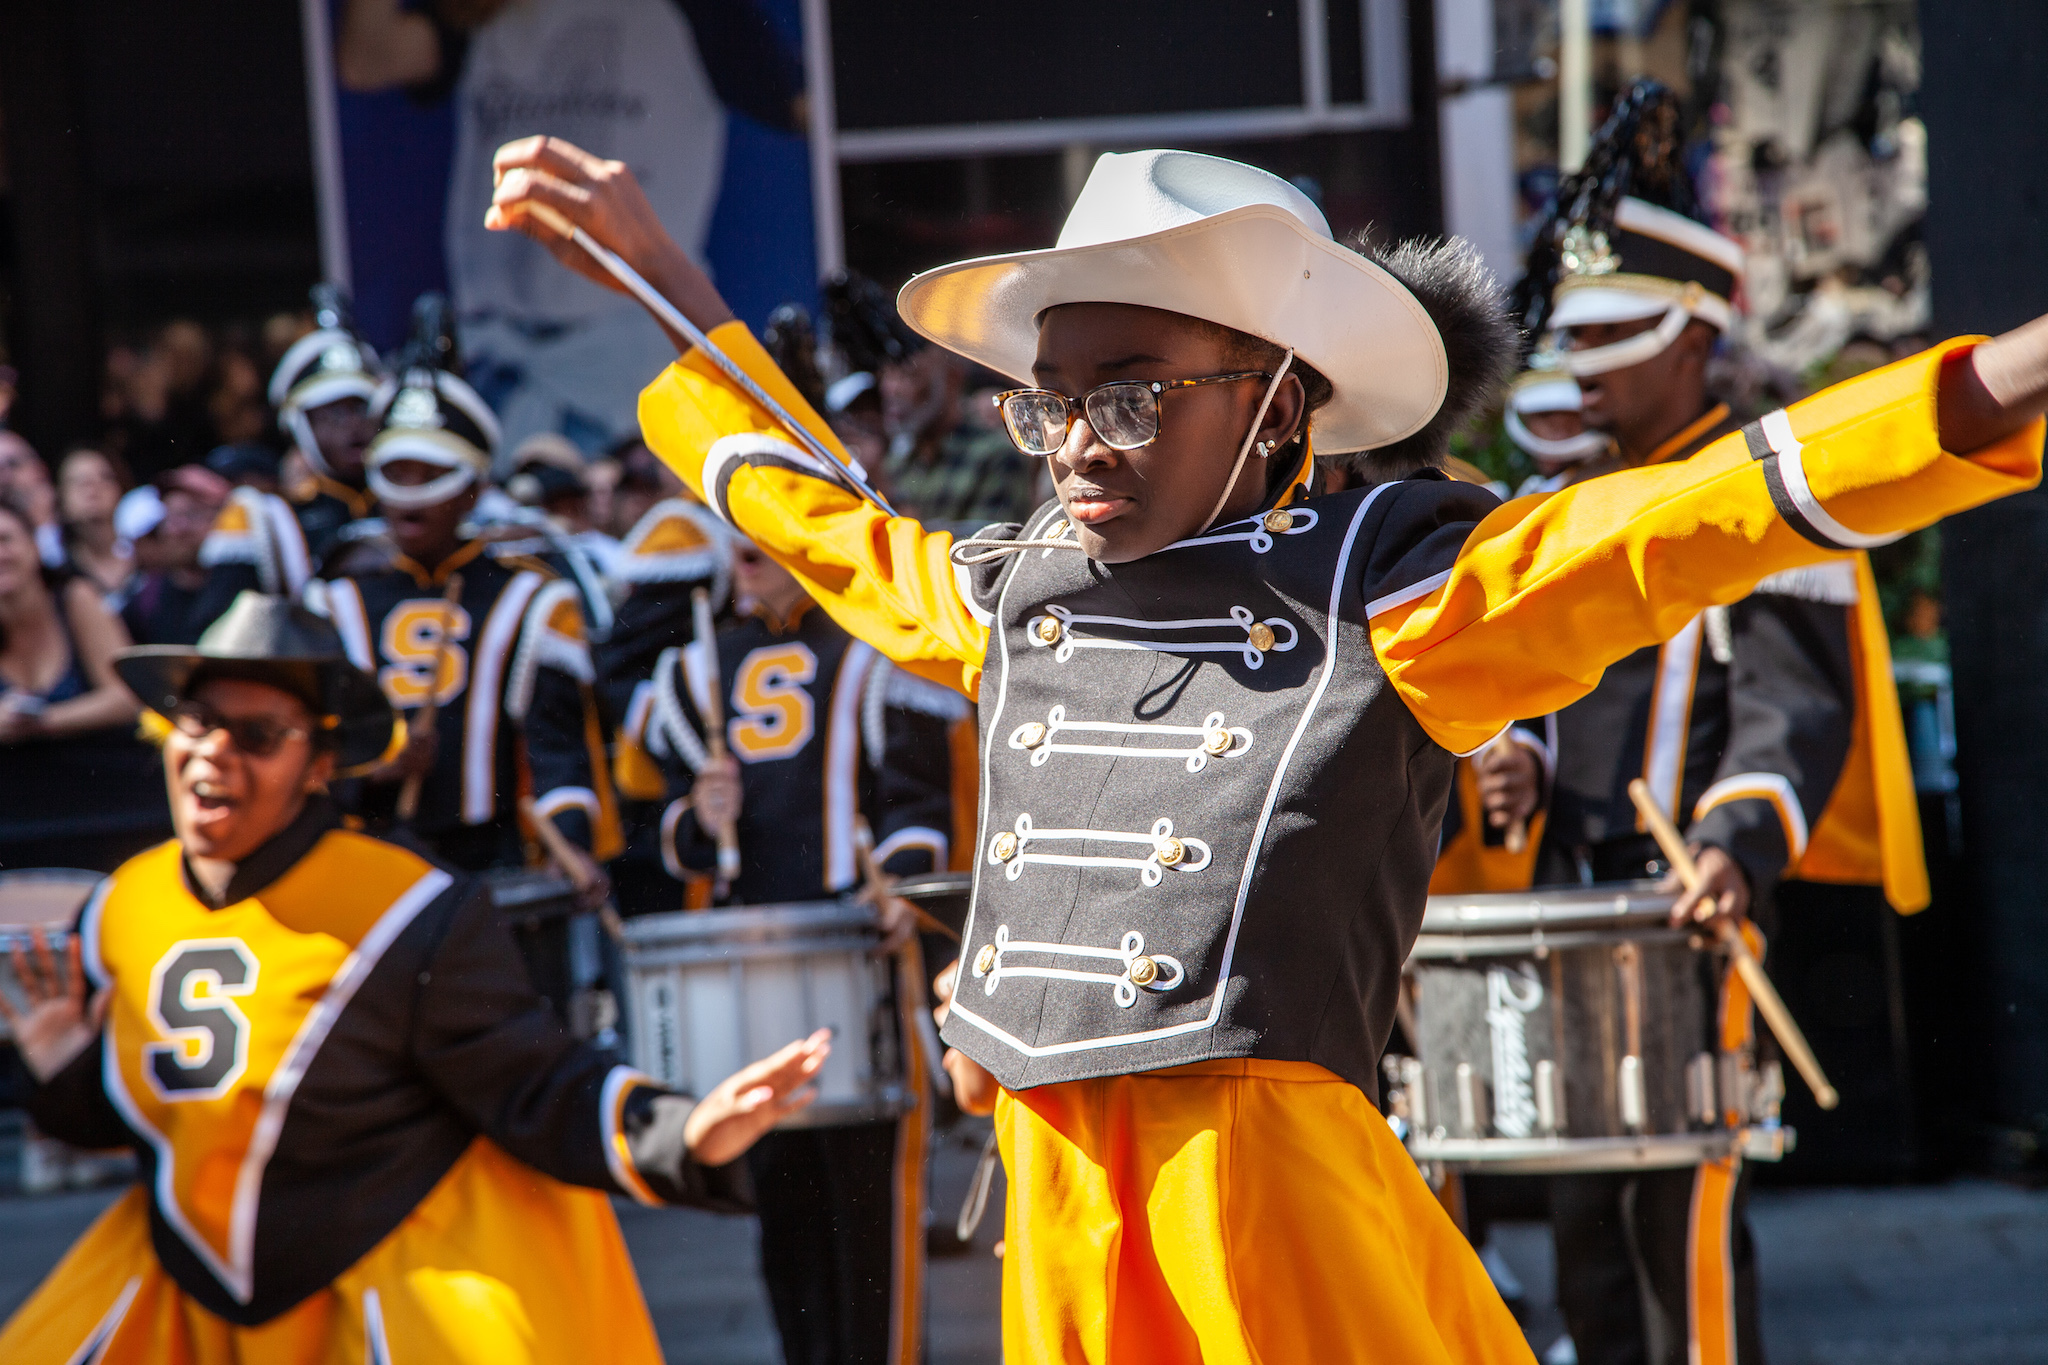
(792, 343)
(429, 406)
(1638, 153)
(275, 641)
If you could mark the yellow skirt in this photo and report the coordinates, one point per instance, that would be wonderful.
(499, 1264)
(1230, 1212)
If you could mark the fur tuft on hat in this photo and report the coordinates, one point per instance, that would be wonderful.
(1450, 280)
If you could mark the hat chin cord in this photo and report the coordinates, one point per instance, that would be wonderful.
(1570, 450)
(410, 496)
(302, 436)
(1631, 350)
(1245, 450)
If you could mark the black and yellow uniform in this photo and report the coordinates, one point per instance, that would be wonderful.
(261, 542)
(676, 548)
(824, 730)
(516, 716)
(1183, 971)
(516, 712)
(362, 1135)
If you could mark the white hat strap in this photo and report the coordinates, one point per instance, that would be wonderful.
(1571, 449)
(1692, 303)
(1246, 449)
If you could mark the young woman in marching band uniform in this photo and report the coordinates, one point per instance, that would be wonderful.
(1219, 719)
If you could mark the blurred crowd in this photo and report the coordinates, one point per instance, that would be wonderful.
(104, 542)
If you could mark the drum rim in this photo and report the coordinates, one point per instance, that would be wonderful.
(1649, 1151)
(748, 923)
(1616, 904)
(935, 886)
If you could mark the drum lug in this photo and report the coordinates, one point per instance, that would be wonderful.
(1415, 1084)
(1471, 1103)
(1549, 1099)
(1770, 1092)
(1629, 1089)
(1699, 1089)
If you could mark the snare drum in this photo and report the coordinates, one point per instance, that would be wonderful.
(536, 906)
(1572, 1029)
(712, 990)
(48, 898)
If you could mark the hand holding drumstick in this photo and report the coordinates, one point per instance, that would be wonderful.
(1768, 1002)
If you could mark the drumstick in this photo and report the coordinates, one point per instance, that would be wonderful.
(571, 859)
(852, 479)
(714, 734)
(1518, 836)
(1768, 1002)
(409, 794)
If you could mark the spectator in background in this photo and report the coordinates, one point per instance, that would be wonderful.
(68, 757)
(167, 523)
(853, 407)
(26, 479)
(247, 466)
(90, 484)
(643, 481)
(160, 400)
(947, 474)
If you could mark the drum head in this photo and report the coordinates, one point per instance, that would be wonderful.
(44, 895)
(942, 895)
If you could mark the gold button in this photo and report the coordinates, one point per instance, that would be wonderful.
(1049, 629)
(1032, 735)
(1218, 741)
(1171, 852)
(1005, 846)
(1279, 520)
(1261, 636)
(1143, 971)
(985, 959)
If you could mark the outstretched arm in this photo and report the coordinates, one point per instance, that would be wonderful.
(1487, 614)
(883, 578)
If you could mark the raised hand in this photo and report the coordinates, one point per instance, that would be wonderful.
(542, 182)
(754, 1099)
(60, 1021)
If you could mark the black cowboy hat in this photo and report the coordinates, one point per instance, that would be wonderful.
(274, 641)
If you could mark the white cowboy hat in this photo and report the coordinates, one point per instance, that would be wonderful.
(1216, 240)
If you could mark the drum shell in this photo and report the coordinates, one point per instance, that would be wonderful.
(48, 898)
(713, 990)
(1516, 981)
(1578, 1024)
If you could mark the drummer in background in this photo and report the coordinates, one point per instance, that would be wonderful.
(1770, 724)
(425, 1154)
(674, 549)
(323, 389)
(1544, 417)
(515, 707)
(820, 729)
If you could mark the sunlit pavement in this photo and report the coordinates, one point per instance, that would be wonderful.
(1926, 1275)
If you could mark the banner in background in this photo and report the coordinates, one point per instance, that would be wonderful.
(692, 94)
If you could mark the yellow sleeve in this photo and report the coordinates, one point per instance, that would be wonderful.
(1547, 591)
(885, 579)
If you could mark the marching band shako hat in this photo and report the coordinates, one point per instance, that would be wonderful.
(1654, 263)
(431, 416)
(1216, 240)
(325, 366)
(273, 640)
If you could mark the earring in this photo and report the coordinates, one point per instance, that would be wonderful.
(1265, 449)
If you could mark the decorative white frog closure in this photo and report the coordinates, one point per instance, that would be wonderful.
(1258, 531)
(1056, 629)
(1212, 739)
(1155, 972)
(1010, 848)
